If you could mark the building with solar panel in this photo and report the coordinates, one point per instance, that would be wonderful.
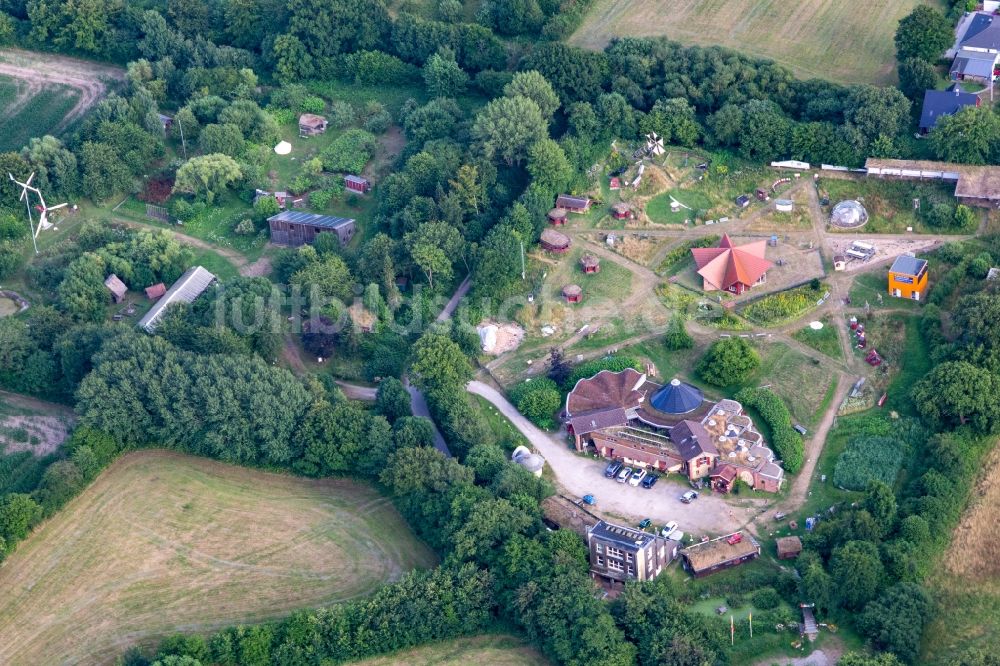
(670, 428)
(294, 227)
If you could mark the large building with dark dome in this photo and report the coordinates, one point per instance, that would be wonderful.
(669, 428)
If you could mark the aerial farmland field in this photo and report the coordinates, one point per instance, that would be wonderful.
(849, 41)
(42, 93)
(163, 543)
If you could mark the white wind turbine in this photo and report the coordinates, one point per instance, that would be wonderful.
(43, 218)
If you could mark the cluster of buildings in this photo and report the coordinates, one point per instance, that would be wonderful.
(670, 428)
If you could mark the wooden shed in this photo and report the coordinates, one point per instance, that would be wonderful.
(590, 263)
(622, 211)
(116, 287)
(155, 291)
(789, 547)
(557, 216)
(310, 124)
(553, 241)
(357, 184)
(573, 204)
(572, 293)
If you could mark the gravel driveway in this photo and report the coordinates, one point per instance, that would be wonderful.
(579, 475)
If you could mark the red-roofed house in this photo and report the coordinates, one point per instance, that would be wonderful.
(732, 268)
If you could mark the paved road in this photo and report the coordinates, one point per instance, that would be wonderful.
(418, 404)
(459, 294)
(355, 392)
(578, 475)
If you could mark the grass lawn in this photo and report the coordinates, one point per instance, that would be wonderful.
(868, 287)
(612, 284)
(163, 542)
(800, 36)
(802, 384)
(492, 649)
(825, 340)
(890, 203)
(658, 208)
(39, 115)
(503, 430)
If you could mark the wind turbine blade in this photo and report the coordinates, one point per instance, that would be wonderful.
(28, 182)
(57, 207)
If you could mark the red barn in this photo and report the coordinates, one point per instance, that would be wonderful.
(590, 263)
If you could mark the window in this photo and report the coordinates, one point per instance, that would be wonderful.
(615, 552)
(598, 548)
(615, 564)
(600, 561)
(631, 570)
(628, 557)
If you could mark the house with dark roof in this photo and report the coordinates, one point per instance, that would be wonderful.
(573, 204)
(983, 35)
(292, 227)
(939, 103)
(669, 428)
(622, 553)
(974, 66)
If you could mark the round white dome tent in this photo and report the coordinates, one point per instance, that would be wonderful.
(283, 148)
(849, 214)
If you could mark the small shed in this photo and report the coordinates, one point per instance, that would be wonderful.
(553, 241)
(622, 211)
(590, 263)
(155, 291)
(839, 262)
(789, 547)
(615, 183)
(573, 204)
(557, 216)
(310, 124)
(116, 287)
(743, 201)
(572, 293)
(166, 121)
(357, 184)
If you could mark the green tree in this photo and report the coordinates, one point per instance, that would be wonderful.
(392, 400)
(433, 247)
(880, 502)
(443, 76)
(971, 136)
(895, 621)
(917, 76)
(857, 573)
(677, 337)
(957, 392)
(440, 365)
(226, 139)
(326, 278)
(18, 514)
(924, 33)
(674, 120)
(508, 126)
(728, 361)
(207, 175)
(104, 173)
(534, 86)
(548, 165)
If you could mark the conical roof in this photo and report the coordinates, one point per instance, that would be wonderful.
(725, 265)
(677, 397)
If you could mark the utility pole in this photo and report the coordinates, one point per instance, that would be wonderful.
(522, 261)
(183, 143)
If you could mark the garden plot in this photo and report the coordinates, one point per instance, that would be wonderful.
(43, 93)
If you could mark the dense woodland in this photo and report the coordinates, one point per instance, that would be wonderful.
(504, 125)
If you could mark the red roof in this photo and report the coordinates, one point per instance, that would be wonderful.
(156, 290)
(722, 267)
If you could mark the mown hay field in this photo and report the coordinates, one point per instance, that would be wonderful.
(163, 543)
(849, 41)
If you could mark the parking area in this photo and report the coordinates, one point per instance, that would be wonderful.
(710, 514)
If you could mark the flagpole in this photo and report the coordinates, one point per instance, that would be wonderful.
(751, 625)
(732, 630)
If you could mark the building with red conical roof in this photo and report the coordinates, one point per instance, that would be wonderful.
(731, 268)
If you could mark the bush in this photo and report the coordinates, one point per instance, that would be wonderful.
(677, 337)
(787, 443)
(349, 152)
(10, 258)
(591, 368)
(245, 227)
(781, 306)
(340, 115)
(378, 68)
(313, 104)
(182, 209)
(538, 399)
(766, 598)
(728, 361)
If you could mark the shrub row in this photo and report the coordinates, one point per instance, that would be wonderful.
(786, 442)
(590, 368)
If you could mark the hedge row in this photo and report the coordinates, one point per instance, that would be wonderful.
(591, 368)
(786, 442)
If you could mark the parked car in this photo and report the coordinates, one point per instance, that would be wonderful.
(650, 480)
(646, 522)
(668, 529)
(801, 429)
(624, 474)
(637, 476)
(611, 471)
(689, 496)
(677, 535)
(589, 500)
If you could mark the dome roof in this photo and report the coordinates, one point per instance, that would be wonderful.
(848, 214)
(530, 461)
(677, 397)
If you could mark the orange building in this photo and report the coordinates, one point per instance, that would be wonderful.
(908, 278)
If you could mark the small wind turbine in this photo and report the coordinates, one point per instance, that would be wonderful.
(43, 219)
(654, 144)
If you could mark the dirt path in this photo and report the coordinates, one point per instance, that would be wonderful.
(39, 69)
(38, 405)
(232, 256)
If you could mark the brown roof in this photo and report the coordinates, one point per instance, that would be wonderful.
(590, 260)
(569, 201)
(116, 286)
(554, 238)
(557, 213)
(598, 420)
(621, 207)
(606, 390)
(789, 545)
(311, 120)
(725, 471)
(692, 440)
(723, 266)
(156, 290)
(572, 290)
(977, 182)
(708, 554)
